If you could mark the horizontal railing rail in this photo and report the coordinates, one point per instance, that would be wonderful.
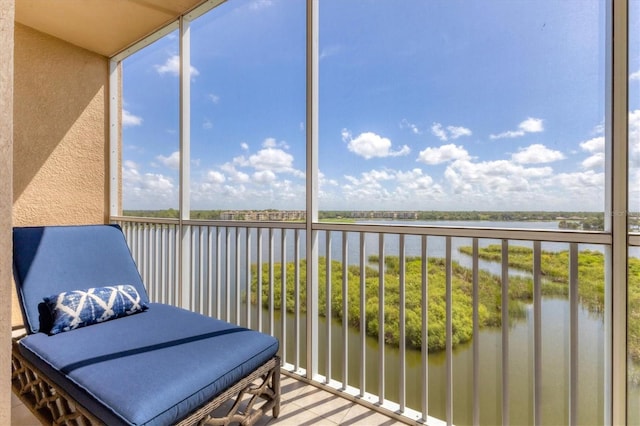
(253, 274)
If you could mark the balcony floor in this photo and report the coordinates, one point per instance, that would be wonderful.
(302, 405)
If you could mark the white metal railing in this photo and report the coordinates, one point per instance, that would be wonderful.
(225, 258)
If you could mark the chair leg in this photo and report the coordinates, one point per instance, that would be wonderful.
(276, 389)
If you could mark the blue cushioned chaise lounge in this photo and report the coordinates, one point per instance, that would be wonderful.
(96, 351)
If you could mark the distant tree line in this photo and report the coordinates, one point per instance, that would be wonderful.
(589, 221)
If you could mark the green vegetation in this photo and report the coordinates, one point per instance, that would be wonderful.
(520, 291)
(337, 220)
(555, 278)
(555, 271)
(174, 214)
(167, 213)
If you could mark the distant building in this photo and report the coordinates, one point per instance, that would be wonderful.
(264, 215)
(384, 214)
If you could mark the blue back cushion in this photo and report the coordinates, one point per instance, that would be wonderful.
(53, 259)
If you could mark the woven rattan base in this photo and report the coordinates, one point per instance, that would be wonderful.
(251, 398)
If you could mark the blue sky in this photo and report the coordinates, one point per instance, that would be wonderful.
(439, 105)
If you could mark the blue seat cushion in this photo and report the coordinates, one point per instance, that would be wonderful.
(152, 368)
(54, 259)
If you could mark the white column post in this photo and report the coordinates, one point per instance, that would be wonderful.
(185, 154)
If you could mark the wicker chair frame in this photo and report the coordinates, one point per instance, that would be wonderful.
(251, 398)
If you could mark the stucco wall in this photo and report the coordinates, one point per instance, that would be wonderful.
(60, 132)
(6, 136)
(60, 148)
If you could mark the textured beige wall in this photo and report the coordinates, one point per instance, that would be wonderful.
(60, 143)
(60, 132)
(6, 159)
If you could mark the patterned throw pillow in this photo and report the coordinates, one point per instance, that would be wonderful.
(80, 308)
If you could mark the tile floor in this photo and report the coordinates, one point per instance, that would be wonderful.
(302, 405)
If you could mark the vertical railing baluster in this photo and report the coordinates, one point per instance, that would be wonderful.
(150, 257)
(476, 332)
(177, 291)
(283, 296)
(248, 273)
(381, 328)
(175, 240)
(425, 327)
(328, 301)
(345, 311)
(402, 387)
(147, 254)
(271, 279)
(449, 331)
(171, 283)
(140, 248)
(168, 267)
(363, 315)
(171, 263)
(505, 331)
(193, 270)
(573, 333)
(227, 275)
(218, 262)
(238, 284)
(296, 280)
(202, 294)
(210, 267)
(163, 257)
(259, 280)
(158, 260)
(537, 333)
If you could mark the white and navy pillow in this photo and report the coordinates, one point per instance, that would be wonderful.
(79, 308)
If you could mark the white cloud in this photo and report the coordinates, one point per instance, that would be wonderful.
(536, 154)
(530, 125)
(369, 145)
(438, 131)
(635, 75)
(215, 177)
(582, 184)
(443, 154)
(414, 179)
(323, 181)
(129, 119)
(172, 161)
(207, 124)
(404, 124)
(172, 66)
(451, 132)
(264, 177)
(394, 188)
(634, 143)
(214, 98)
(261, 4)
(270, 143)
(594, 162)
(593, 145)
(146, 190)
(458, 131)
(271, 159)
(234, 174)
(499, 177)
